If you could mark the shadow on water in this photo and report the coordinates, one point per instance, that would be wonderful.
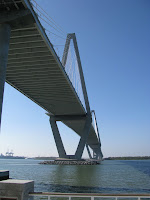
(143, 166)
(87, 189)
(74, 175)
(110, 177)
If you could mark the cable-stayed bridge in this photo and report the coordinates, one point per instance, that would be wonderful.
(29, 63)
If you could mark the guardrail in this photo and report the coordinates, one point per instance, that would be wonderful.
(90, 195)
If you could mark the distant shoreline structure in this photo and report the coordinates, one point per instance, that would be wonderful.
(10, 155)
(129, 158)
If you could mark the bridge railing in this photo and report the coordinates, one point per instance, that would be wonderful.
(95, 196)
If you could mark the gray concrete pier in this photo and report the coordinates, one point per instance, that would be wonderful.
(16, 189)
(70, 162)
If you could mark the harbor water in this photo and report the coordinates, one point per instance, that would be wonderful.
(110, 176)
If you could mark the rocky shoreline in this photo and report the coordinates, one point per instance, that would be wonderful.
(70, 162)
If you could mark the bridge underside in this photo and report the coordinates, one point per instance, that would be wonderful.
(34, 69)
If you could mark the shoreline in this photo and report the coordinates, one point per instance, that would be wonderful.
(129, 158)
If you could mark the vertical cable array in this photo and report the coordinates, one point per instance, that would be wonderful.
(72, 70)
(55, 32)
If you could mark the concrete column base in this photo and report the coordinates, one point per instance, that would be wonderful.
(16, 189)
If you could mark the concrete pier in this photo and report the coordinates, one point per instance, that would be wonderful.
(71, 162)
(16, 189)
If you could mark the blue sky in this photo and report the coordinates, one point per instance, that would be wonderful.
(114, 44)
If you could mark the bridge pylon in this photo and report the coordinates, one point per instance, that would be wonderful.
(87, 117)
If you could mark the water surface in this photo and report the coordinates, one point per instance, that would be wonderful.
(109, 177)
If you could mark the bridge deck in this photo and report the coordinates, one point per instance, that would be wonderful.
(36, 72)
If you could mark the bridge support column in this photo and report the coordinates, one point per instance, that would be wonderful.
(4, 47)
(83, 138)
(57, 137)
(97, 154)
(88, 150)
